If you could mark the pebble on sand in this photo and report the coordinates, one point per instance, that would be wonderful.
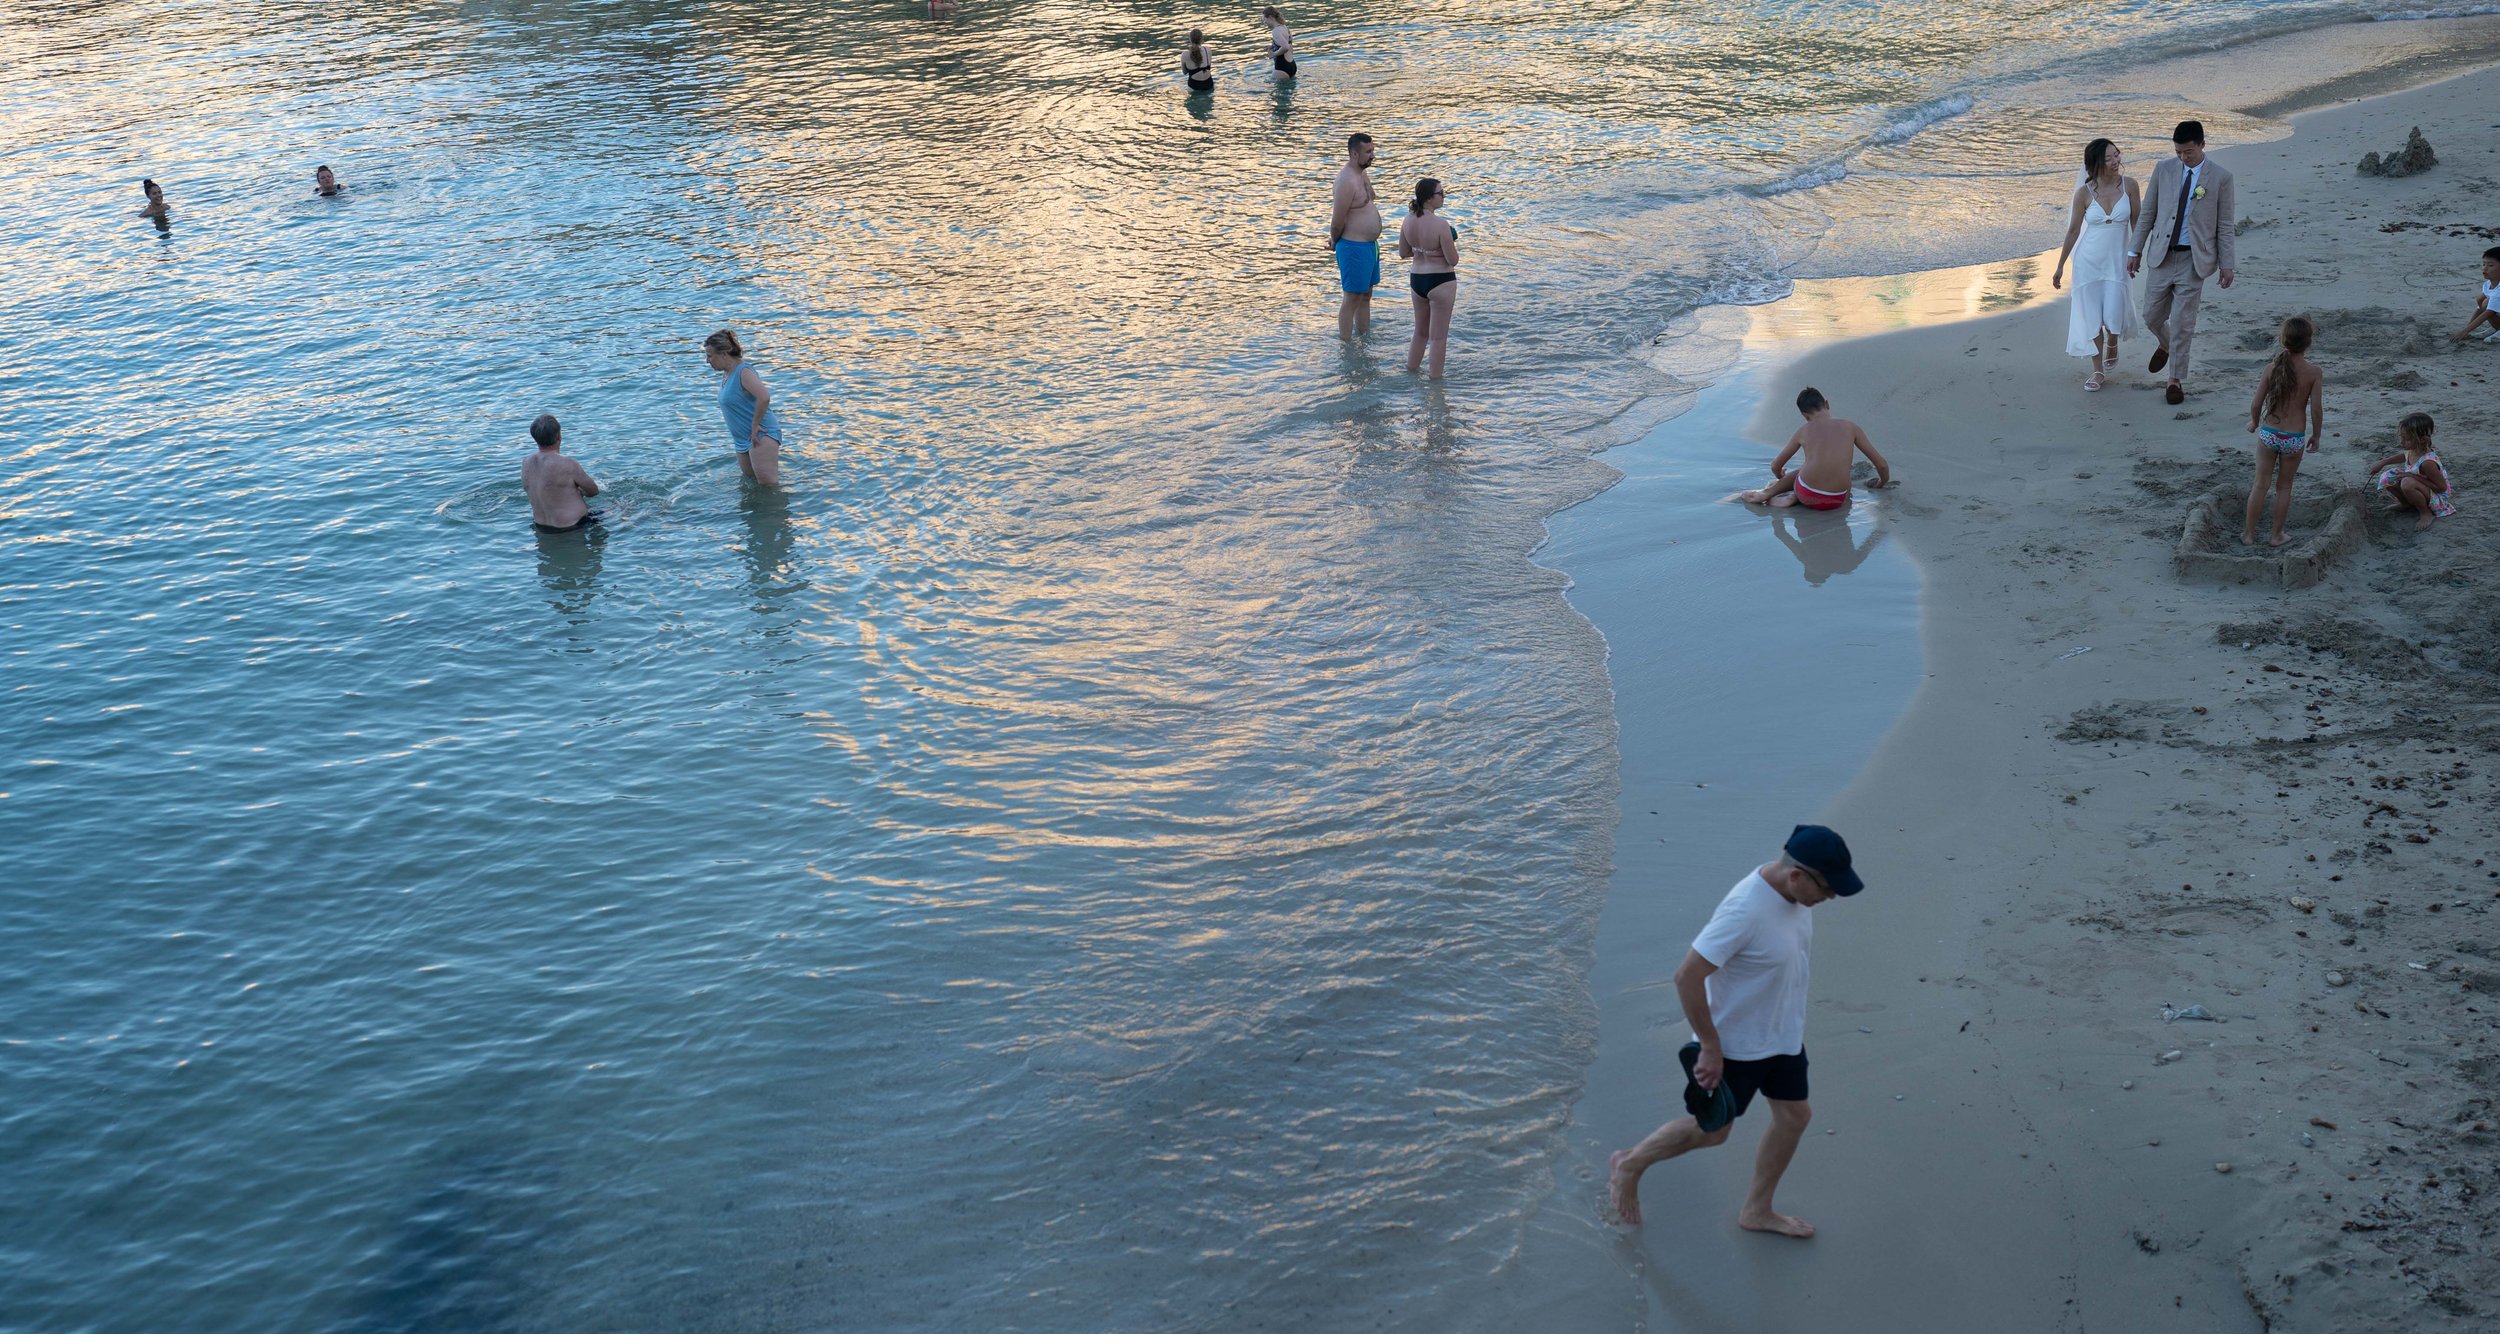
(2336, 978)
(2223, 1168)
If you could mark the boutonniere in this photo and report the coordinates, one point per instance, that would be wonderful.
(2197, 193)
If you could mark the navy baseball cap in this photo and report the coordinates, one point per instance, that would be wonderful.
(1820, 850)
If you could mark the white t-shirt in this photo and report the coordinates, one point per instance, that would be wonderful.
(1759, 941)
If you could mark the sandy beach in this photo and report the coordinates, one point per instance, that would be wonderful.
(2116, 787)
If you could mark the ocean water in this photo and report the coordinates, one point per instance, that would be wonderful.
(1114, 844)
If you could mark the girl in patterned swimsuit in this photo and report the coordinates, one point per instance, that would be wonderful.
(2290, 397)
(2416, 477)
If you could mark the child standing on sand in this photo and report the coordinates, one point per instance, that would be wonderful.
(1821, 481)
(2486, 321)
(2415, 476)
(2292, 391)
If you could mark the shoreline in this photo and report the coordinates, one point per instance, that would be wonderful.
(1981, 1120)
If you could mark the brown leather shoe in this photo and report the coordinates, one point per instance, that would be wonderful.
(2174, 394)
(2161, 358)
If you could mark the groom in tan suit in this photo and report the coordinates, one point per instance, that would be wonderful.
(2193, 234)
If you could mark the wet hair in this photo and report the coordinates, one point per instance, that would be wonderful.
(1810, 401)
(2189, 132)
(149, 186)
(1271, 15)
(2297, 334)
(2096, 158)
(1425, 189)
(1352, 139)
(1197, 38)
(546, 430)
(724, 341)
(320, 169)
(2416, 426)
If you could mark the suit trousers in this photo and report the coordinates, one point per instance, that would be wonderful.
(2172, 294)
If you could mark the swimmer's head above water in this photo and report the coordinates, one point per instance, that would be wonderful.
(324, 181)
(547, 431)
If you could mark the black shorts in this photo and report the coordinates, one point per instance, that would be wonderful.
(1780, 1078)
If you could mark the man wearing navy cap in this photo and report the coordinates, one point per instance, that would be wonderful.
(1743, 985)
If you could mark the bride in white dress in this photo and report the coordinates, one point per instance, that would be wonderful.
(2096, 238)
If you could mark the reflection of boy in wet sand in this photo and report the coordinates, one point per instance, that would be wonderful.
(1821, 481)
(557, 485)
(1827, 546)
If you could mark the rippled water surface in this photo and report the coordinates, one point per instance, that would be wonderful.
(1114, 844)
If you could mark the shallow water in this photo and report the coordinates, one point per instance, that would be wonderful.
(1114, 845)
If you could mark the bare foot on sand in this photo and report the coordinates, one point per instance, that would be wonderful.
(1786, 1225)
(1783, 500)
(2278, 539)
(2249, 538)
(1624, 1188)
(1752, 497)
(2423, 522)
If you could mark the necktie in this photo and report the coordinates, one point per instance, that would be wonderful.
(2187, 197)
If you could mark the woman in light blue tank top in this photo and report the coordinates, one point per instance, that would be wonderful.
(746, 406)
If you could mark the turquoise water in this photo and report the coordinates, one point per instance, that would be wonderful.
(1115, 844)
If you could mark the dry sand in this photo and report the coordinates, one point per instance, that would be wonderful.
(2120, 787)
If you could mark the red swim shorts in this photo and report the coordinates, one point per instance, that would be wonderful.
(1819, 500)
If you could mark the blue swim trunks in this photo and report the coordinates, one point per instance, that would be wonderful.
(1358, 266)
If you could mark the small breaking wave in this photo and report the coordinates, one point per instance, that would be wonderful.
(2449, 12)
(1917, 120)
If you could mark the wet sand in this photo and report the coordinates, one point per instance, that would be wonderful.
(2116, 787)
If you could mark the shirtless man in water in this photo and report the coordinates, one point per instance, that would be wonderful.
(1354, 229)
(557, 485)
(1821, 481)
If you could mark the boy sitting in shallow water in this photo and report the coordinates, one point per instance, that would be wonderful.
(1829, 443)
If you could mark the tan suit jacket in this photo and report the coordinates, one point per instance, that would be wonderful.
(2212, 230)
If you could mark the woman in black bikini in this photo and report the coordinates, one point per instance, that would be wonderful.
(1431, 243)
(1280, 42)
(1196, 66)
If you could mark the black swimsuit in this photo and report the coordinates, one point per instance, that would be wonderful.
(1423, 283)
(1201, 79)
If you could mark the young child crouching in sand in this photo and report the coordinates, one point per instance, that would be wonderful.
(2415, 476)
(1829, 443)
(2291, 391)
(2486, 321)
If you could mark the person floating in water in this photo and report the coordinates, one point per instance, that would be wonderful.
(1354, 230)
(1196, 65)
(747, 406)
(557, 486)
(1821, 481)
(1280, 42)
(157, 207)
(326, 182)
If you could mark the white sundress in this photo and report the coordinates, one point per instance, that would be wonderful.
(2098, 278)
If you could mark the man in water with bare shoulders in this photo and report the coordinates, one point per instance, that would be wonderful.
(1829, 443)
(1354, 230)
(1743, 985)
(557, 486)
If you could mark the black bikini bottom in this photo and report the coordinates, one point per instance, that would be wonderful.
(588, 519)
(1206, 87)
(1423, 283)
(1286, 67)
